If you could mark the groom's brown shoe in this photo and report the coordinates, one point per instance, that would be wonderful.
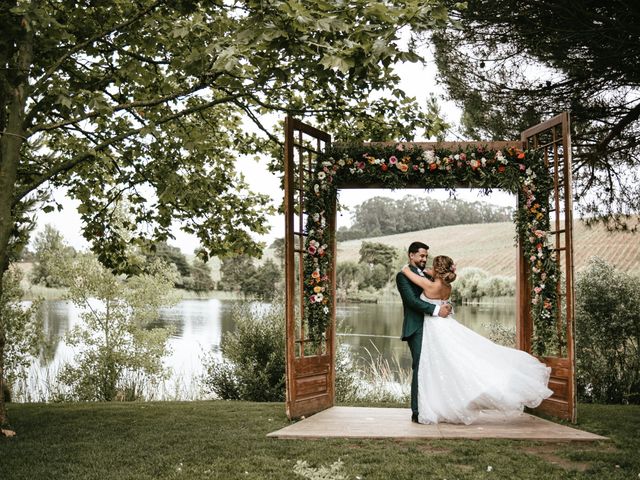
(414, 417)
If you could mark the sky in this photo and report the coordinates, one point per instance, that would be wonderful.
(416, 79)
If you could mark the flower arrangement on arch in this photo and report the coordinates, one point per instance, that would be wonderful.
(510, 169)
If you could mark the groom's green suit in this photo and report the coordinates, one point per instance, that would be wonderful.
(412, 325)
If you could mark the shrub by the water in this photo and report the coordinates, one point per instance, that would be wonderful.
(253, 368)
(254, 365)
(608, 334)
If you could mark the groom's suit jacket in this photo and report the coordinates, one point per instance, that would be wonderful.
(414, 308)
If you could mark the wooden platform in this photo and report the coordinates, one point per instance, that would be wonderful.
(360, 422)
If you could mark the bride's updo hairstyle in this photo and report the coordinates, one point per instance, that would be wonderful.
(444, 268)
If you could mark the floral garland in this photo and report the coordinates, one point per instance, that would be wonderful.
(517, 171)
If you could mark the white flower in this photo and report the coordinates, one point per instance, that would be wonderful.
(319, 297)
(429, 155)
(489, 468)
(484, 161)
(341, 162)
(321, 175)
(325, 310)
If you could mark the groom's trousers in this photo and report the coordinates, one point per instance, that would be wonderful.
(415, 347)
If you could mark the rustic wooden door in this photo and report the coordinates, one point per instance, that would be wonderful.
(310, 369)
(552, 138)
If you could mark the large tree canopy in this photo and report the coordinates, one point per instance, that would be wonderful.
(145, 103)
(148, 100)
(513, 63)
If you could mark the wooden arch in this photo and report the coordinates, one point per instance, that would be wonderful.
(310, 373)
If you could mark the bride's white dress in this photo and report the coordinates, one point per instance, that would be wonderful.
(462, 373)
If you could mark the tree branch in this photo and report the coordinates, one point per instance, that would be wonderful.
(82, 157)
(625, 121)
(117, 108)
(88, 41)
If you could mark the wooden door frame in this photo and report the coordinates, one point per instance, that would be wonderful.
(310, 379)
(304, 368)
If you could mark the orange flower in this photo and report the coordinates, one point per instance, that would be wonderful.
(520, 155)
(384, 167)
(403, 167)
(317, 289)
(433, 166)
(406, 159)
(501, 168)
(315, 274)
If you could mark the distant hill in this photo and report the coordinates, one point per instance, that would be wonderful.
(491, 246)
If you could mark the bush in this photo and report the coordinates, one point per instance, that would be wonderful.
(253, 368)
(254, 365)
(499, 286)
(469, 285)
(607, 334)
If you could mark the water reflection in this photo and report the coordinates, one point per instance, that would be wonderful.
(372, 328)
(200, 325)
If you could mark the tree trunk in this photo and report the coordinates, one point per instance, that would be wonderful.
(12, 94)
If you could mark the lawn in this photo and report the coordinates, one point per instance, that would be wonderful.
(227, 440)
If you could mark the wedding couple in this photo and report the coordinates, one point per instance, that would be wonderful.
(456, 372)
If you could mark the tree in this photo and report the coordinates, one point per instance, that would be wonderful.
(170, 255)
(607, 334)
(119, 353)
(200, 279)
(50, 248)
(278, 246)
(265, 282)
(147, 101)
(234, 271)
(511, 64)
(374, 253)
(22, 328)
(384, 216)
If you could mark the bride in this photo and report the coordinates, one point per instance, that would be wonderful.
(460, 371)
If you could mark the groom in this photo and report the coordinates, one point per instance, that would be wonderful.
(414, 311)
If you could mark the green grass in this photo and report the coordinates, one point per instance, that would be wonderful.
(227, 440)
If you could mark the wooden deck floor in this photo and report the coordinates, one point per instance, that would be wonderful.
(360, 422)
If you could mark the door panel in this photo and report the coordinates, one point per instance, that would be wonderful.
(310, 370)
(552, 138)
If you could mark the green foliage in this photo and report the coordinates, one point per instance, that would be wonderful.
(394, 166)
(234, 271)
(22, 327)
(607, 334)
(383, 216)
(50, 248)
(349, 275)
(374, 253)
(468, 285)
(585, 70)
(254, 366)
(169, 255)
(170, 116)
(118, 353)
(376, 276)
(474, 283)
(240, 274)
(265, 283)
(200, 277)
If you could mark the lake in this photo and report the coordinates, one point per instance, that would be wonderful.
(200, 325)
